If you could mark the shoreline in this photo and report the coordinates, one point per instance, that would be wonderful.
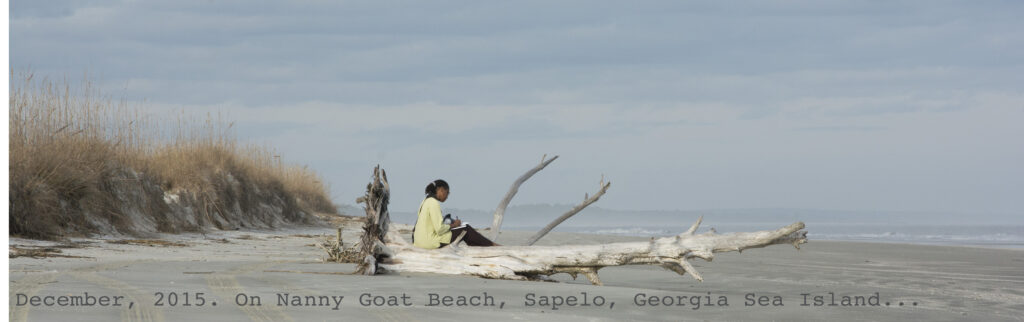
(947, 283)
(1012, 245)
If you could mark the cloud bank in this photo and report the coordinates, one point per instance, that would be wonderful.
(856, 105)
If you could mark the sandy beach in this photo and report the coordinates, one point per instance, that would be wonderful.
(221, 275)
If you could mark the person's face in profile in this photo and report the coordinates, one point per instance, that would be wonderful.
(442, 194)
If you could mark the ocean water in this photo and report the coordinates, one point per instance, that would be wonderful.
(998, 236)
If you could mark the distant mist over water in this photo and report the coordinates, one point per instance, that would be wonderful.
(978, 229)
(1008, 236)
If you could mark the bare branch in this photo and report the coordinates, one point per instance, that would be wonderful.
(693, 229)
(693, 271)
(499, 213)
(588, 200)
(592, 276)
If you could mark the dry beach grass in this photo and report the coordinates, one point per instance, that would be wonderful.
(81, 162)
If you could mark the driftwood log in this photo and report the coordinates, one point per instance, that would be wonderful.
(372, 248)
(387, 251)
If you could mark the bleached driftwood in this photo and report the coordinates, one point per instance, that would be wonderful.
(587, 200)
(499, 213)
(371, 246)
(334, 248)
(390, 252)
(537, 262)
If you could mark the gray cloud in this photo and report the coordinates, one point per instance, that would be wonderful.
(896, 105)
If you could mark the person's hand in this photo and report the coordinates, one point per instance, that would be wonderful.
(456, 223)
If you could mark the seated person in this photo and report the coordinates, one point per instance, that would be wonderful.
(431, 232)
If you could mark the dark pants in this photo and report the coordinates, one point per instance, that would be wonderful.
(472, 238)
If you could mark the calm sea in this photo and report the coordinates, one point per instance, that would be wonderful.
(998, 236)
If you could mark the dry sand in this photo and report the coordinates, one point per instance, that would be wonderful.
(934, 283)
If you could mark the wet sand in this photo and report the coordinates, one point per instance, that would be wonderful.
(933, 283)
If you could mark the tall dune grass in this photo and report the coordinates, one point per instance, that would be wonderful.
(67, 144)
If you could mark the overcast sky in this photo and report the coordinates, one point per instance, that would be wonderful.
(854, 105)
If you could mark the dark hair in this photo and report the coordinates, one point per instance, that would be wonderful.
(431, 190)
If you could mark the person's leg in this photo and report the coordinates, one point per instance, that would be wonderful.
(472, 238)
(454, 234)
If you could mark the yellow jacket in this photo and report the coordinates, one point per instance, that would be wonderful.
(430, 231)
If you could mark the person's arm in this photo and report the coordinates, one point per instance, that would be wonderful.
(434, 212)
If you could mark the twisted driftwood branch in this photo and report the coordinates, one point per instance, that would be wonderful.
(372, 248)
(499, 213)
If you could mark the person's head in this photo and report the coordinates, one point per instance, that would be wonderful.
(437, 189)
